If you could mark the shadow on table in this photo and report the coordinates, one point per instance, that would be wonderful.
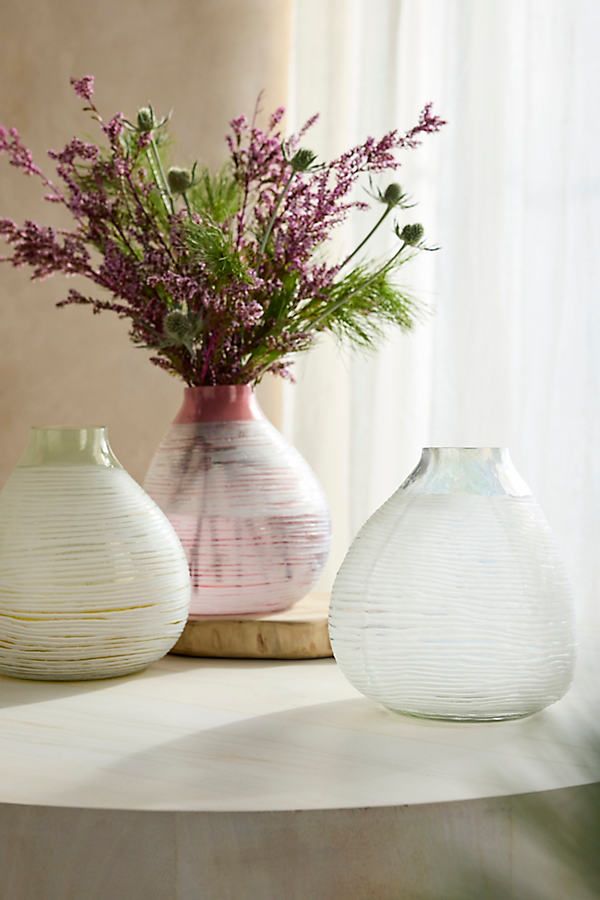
(23, 692)
(343, 753)
(351, 753)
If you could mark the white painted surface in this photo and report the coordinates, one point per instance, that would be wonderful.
(212, 735)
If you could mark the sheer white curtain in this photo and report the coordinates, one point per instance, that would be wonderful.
(511, 191)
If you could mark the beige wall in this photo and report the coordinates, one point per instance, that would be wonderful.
(207, 59)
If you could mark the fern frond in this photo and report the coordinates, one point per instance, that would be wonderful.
(359, 306)
(216, 249)
(215, 195)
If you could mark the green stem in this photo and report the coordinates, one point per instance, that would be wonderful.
(187, 204)
(391, 261)
(123, 237)
(280, 199)
(327, 313)
(159, 176)
(270, 359)
(152, 224)
(369, 235)
(241, 216)
(386, 266)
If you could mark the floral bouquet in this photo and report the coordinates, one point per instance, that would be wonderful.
(223, 275)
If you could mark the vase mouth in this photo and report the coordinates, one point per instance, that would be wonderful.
(246, 386)
(480, 449)
(68, 445)
(467, 455)
(218, 403)
(69, 428)
(486, 471)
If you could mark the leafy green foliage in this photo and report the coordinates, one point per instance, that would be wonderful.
(215, 248)
(282, 299)
(360, 305)
(215, 195)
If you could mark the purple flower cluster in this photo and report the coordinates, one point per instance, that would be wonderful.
(84, 87)
(246, 278)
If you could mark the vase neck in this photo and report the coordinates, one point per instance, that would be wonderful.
(69, 447)
(219, 403)
(486, 471)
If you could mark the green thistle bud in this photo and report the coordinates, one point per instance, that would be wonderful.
(145, 119)
(180, 180)
(302, 159)
(412, 234)
(393, 194)
(177, 326)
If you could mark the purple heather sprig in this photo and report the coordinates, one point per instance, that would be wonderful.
(84, 87)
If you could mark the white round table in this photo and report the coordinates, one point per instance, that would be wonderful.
(232, 779)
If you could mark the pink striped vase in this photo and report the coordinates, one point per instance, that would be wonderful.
(246, 507)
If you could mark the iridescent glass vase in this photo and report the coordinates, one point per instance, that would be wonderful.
(248, 510)
(452, 602)
(93, 581)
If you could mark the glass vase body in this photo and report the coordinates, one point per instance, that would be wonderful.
(247, 508)
(93, 580)
(452, 602)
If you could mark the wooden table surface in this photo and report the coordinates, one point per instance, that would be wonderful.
(259, 780)
(256, 735)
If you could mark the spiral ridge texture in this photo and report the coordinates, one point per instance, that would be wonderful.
(93, 581)
(452, 602)
(248, 511)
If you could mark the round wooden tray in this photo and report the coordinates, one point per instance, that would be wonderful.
(297, 633)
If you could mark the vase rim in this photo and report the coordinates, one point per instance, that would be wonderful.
(68, 445)
(69, 427)
(219, 387)
(475, 448)
(218, 403)
(467, 470)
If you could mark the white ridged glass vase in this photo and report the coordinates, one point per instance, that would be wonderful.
(452, 602)
(93, 580)
(248, 510)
